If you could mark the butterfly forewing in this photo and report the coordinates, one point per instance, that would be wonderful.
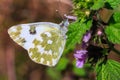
(43, 41)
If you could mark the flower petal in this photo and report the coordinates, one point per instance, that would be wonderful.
(79, 63)
(78, 55)
(82, 51)
(87, 37)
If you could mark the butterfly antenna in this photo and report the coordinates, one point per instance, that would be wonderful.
(65, 17)
(67, 20)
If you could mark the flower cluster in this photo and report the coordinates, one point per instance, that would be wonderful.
(81, 55)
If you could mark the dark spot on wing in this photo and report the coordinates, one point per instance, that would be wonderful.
(32, 29)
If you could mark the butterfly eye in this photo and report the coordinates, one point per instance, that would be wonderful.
(32, 29)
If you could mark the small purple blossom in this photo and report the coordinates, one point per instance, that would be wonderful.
(80, 56)
(87, 37)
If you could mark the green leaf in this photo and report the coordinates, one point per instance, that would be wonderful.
(117, 9)
(75, 33)
(113, 3)
(62, 64)
(78, 71)
(53, 73)
(116, 17)
(108, 71)
(98, 4)
(113, 33)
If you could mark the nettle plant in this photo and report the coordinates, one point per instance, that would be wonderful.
(97, 30)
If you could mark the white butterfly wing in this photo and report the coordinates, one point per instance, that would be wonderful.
(45, 43)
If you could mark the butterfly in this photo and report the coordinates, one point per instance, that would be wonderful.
(44, 41)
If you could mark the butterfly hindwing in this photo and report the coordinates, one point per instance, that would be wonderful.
(43, 41)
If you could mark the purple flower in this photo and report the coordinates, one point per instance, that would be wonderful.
(87, 37)
(80, 56)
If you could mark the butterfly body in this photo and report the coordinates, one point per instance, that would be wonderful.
(44, 41)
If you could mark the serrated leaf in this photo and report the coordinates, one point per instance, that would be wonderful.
(62, 64)
(75, 33)
(98, 4)
(113, 33)
(108, 71)
(113, 3)
(116, 17)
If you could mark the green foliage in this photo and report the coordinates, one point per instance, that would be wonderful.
(53, 73)
(62, 64)
(78, 71)
(116, 17)
(117, 9)
(111, 69)
(113, 3)
(113, 33)
(81, 8)
(75, 33)
(108, 71)
(98, 4)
